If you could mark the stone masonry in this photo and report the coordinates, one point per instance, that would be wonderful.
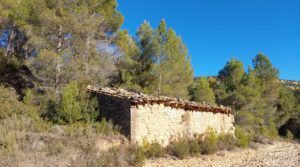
(161, 119)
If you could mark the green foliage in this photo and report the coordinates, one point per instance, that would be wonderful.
(48, 68)
(226, 141)
(74, 105)
(290, 135)
(71, 40)
(153, 149)
(194, 147)
(286, 105)
(263, 68)
(82, 128)
(174, 73)
(135, 155)
(201, 91)
(243, 138)
(10, 104)
(106, 127)
(16, 118)
(261, 104)
(69, 108)
(179, 148)
(209, 144)
(8, 143)
(156, 62)
(232, 74)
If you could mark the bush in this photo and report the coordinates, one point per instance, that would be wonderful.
(19, 116)
(179, 148)
(289, 135)
(226, 142)
(194, 147)
(242, 138)
(154, 150)
(106, 127)
(209, 144)
(135, 155)
(10, 104)
(74, 105)
(8, 143)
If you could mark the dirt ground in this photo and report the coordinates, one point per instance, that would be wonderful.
(268, 155)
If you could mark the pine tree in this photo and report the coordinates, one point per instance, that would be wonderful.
(200, 91)
(174, 72)
(146, 59)
(156, 63)
(75, 31)
(231, 77)
(232, 74)
(126, 62)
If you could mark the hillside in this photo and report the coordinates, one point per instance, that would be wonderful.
(293, 84)
(267, 155)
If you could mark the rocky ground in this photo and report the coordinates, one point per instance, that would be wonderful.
(268, 155)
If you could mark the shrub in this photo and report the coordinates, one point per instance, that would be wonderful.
(19, 116)
(270, 131)
(242, 138)
(209, 144)
(74, 105)
(69, 107)
(10, 104)
(179, 148)
(135, 155)
(194, 147)
(106, 127)
(226, 142)
(154, 150)
(289, 135)
(8, 143)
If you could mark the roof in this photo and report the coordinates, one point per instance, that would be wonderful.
(140, 98)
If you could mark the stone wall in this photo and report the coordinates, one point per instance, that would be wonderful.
(159, 123)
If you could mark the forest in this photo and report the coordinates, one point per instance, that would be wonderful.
(51, 49)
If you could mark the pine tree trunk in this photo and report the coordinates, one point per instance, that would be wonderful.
(86, 55)
(57, 77)
(159, 86)
(60, 40)
(10, 41)
(59, 45)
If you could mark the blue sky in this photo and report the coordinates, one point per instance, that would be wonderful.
(217, 30)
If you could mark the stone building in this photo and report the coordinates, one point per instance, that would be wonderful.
(160, 119)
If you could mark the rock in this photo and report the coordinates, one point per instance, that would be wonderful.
(38, 145)
(56, 129)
